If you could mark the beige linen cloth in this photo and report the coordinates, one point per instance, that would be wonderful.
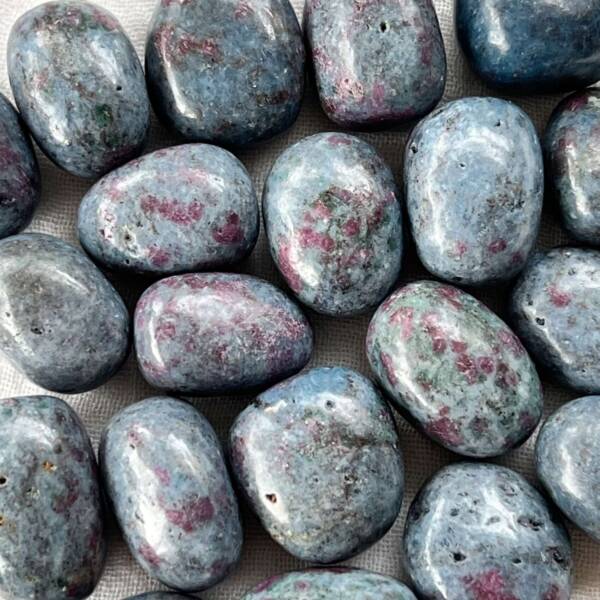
(338, 342)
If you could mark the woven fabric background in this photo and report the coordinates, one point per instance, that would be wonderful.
(338, 342)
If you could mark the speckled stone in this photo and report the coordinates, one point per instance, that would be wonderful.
(482, 532)
(376, 62)
(61, 322)
(555, 308)
(456, 369)
(20, 186)
(334, 223)
(158, 596)
(218, 332)
(327, 584)
(572, 147)
(531, 45)
(567, 456)
(52, 543)
(235, 78)
(475, 211)
(165, 475)
(180, 209)
(328, 431)
(79, 85)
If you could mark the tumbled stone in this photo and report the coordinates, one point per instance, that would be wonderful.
(555, 308)
(234, 78)
(531, 45)
(481, 532)
(52, 542)
(572, 147)
(79, 85)
(20, 186)
(567, 455)
(61, 322)
(319, 584)
(328, 431)
(334, 223)
(180, 209)
(453, 367)
(166, 478)
(218, 332)
(474, 212)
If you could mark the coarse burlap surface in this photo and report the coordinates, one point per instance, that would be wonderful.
(338, 342)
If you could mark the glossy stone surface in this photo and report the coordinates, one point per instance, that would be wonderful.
(61, 322)
(52, 543)
(555, 308)
(567, 455)
(79, 85)
(235, 78)
(455, 369)
(180, 209)
(322, 584)
(20, 185)
(218, 332)
(328, 431)
(475, 210)
(482, 532)
(572, 147)
(376, 62)
(528, 45)
(166, 478)
(334, 223)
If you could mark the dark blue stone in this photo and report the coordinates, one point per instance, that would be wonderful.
(234, 78)
(478, 531)
(475, 211)
(79, 85)
(61, 322)
(52, 543)
(318, 458)
(19, 173)
(166, 478)
(531, 45)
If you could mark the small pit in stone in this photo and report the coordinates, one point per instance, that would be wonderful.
(272, 498)
(383, 26)
(119, 88)
(329, 404)
(1, 520)
(37, 330)
(414, 149)
(540, 322)
(517, 561)
(48, 466)
(458, 557)
(498, 123)
(3, 480)
(454, 512)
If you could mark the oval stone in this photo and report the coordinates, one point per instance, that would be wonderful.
(235, 78)
(480, 531)
(316, 584)
(567, 454)
(328, 431)
(79, 85)
(378, 62)
(180, 209)
(555, 308)
(453, 367)
(62, 324)
(572, 147)
(52, 542)
(528, 45)
(334, 223)
(474, 214)
(166, 478)
(20, 185)
(218, 332)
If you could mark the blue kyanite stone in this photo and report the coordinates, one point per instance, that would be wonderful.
(79, 85)
(318, 458)
(479, 531)
(19, 173)
(474, 183)
(376, 61)
(52, 542)
(531, 45)
(235, 77)
(572, 147)
(567, 456)
(166, 478)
